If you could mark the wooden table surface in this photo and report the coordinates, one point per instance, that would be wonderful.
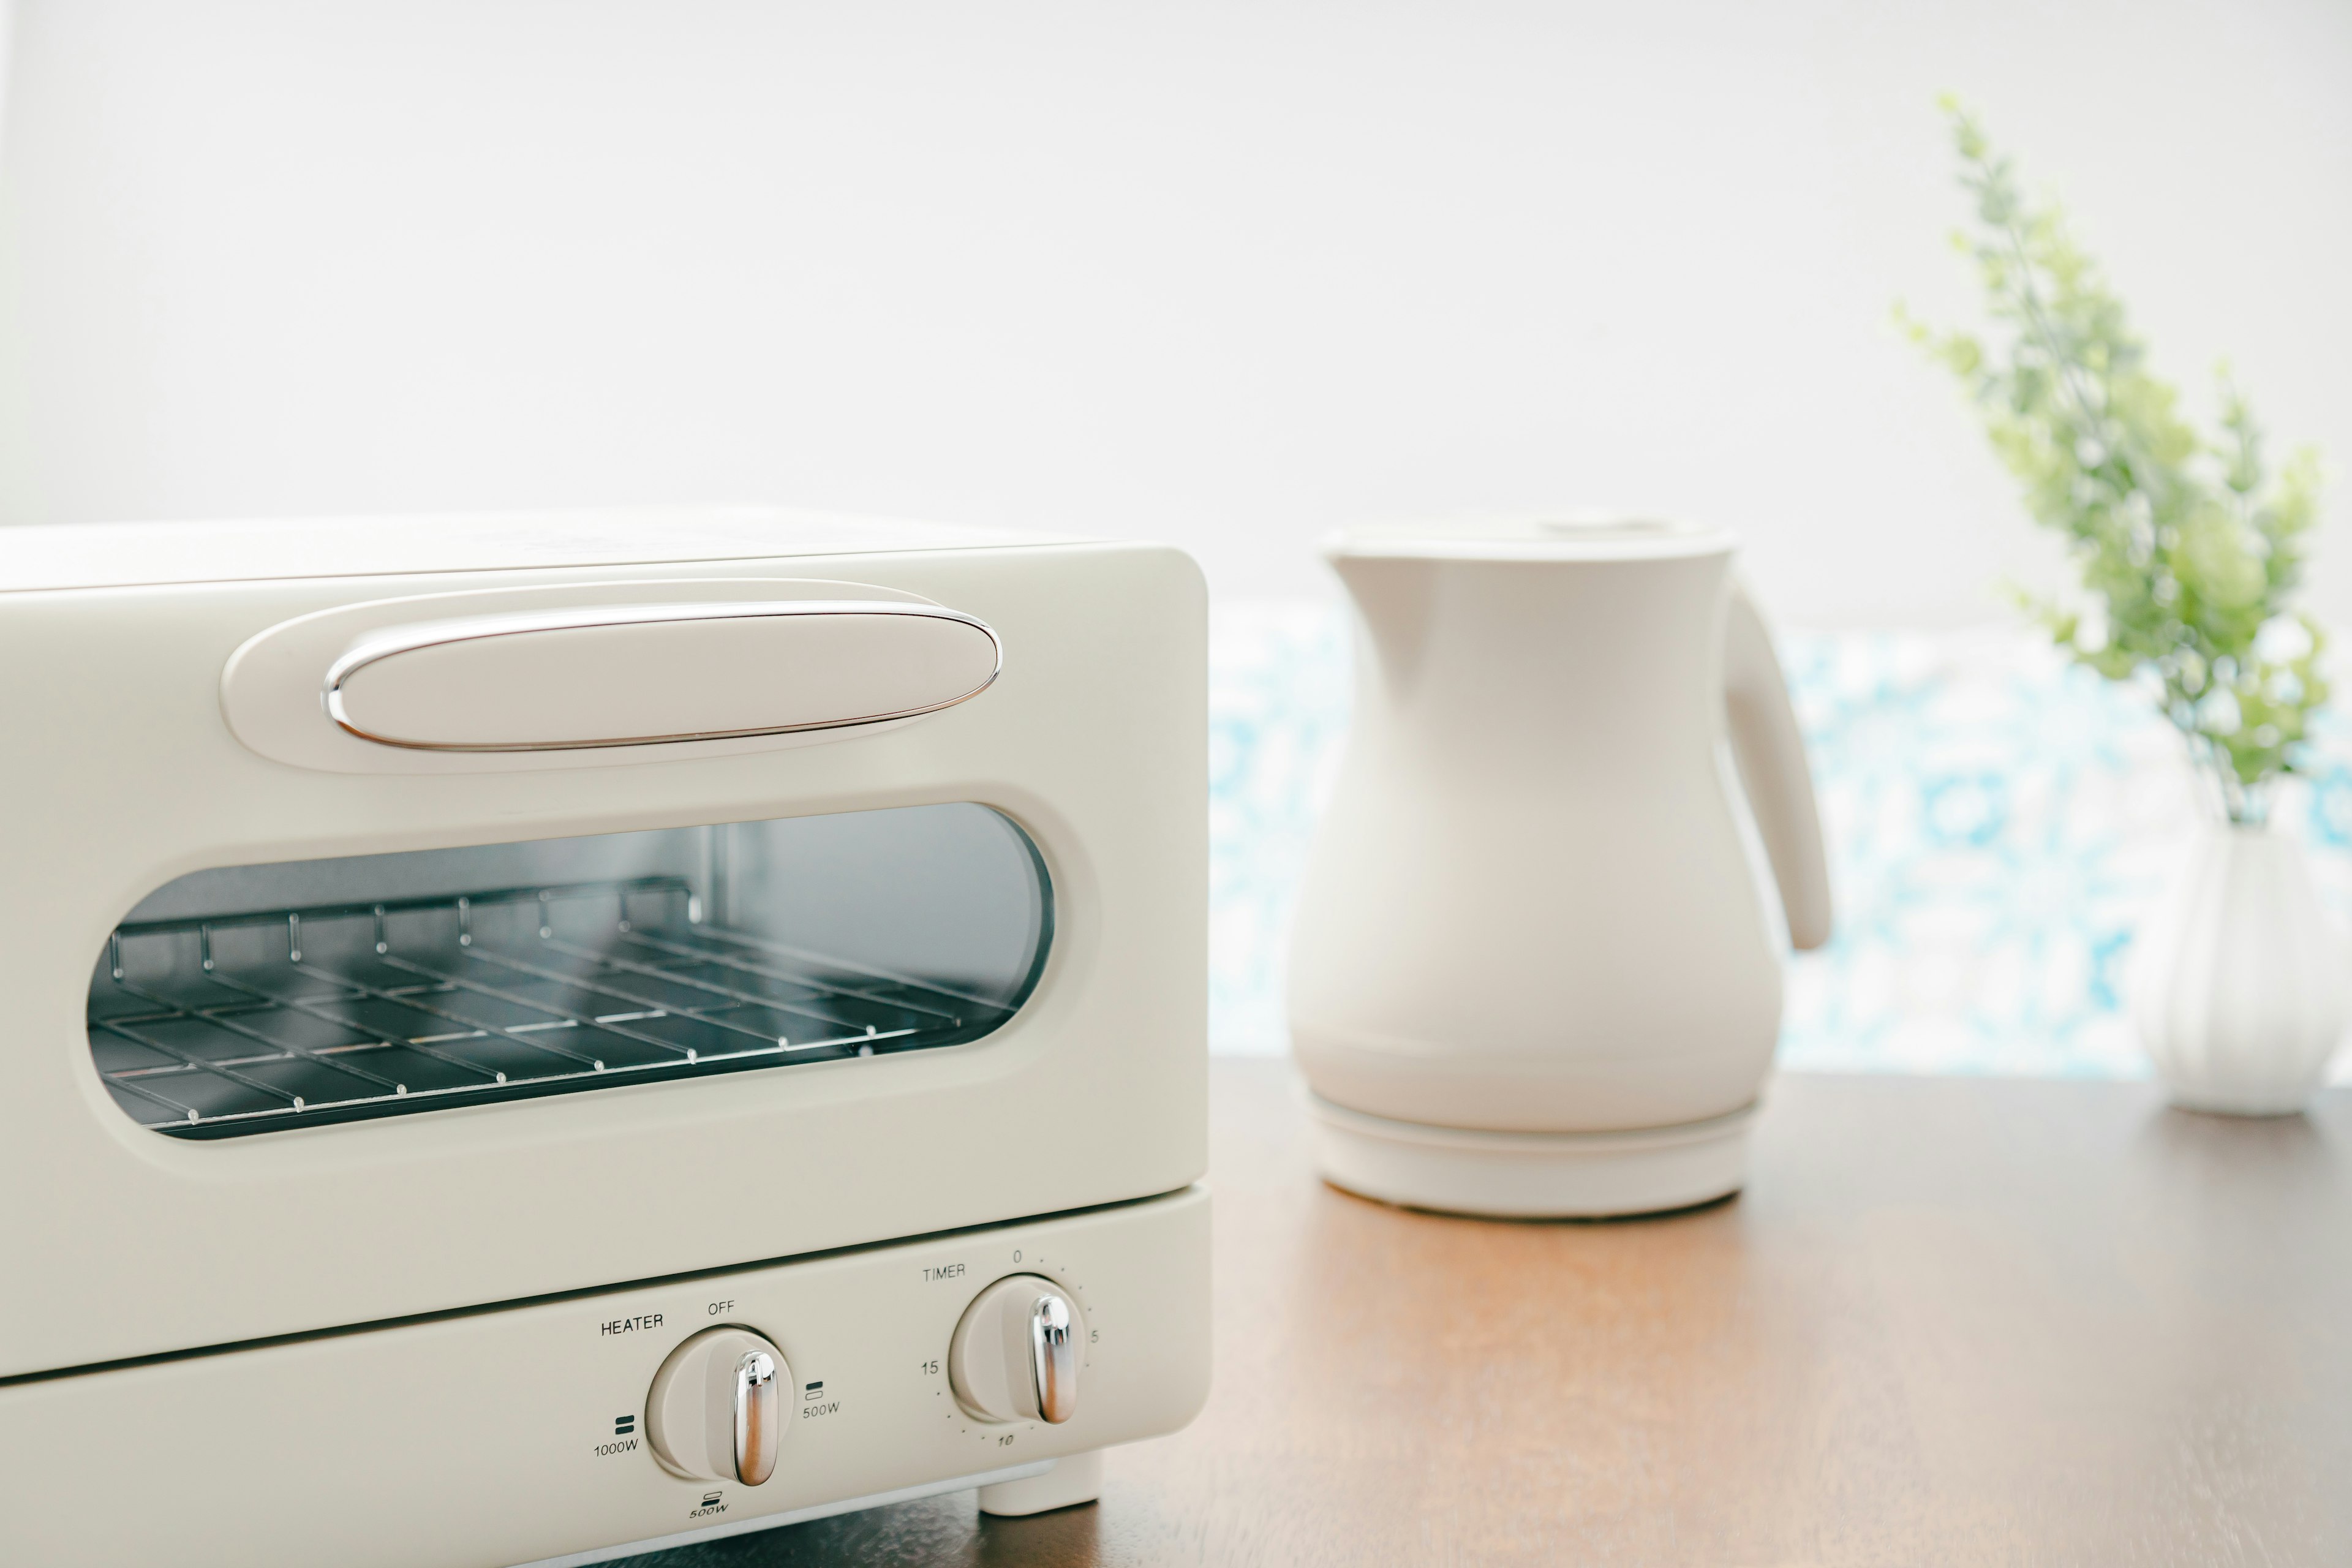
(1951, 1320)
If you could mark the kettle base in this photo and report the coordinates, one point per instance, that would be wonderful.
(1531, 1176)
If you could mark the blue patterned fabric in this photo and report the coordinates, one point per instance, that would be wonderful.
(1998, 820)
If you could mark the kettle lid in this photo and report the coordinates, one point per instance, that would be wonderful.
(1546, 537)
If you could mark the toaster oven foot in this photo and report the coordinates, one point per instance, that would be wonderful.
(1074, 1480)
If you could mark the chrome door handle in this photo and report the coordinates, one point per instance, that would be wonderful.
(1054, 1358)
(758, 1418)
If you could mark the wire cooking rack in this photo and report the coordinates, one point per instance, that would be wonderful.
(252, 1023)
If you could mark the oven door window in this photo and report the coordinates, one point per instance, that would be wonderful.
(257, 998)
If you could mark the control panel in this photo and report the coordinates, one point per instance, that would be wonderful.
(1005, 1357)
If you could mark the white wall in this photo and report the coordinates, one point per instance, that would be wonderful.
(1226, 274)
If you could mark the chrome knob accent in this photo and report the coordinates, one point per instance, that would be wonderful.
(1054, 1359)
(1017, 1353)
(758, 1420)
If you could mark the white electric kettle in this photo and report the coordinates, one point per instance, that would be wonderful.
(1534, 970)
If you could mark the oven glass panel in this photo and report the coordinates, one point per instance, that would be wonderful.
(257, 998)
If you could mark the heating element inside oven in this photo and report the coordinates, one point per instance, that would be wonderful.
(215, 1025)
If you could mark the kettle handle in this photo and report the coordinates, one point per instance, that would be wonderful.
(1770, 756)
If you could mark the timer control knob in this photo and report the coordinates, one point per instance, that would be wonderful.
(1015, 1354)
(717, 1410)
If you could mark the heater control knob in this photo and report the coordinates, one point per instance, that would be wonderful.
(1016, 1353)
(717, 1409)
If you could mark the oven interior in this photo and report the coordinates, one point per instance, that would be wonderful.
(255, 998)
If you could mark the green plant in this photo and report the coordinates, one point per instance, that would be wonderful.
(2189, 547)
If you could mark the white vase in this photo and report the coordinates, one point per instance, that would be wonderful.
(2241, 981)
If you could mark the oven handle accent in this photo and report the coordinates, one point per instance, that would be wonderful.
(657, 674)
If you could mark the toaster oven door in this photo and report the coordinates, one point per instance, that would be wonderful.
(256, 999)
(295, 1045)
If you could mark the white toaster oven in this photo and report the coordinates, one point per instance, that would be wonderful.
(530, 1039)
